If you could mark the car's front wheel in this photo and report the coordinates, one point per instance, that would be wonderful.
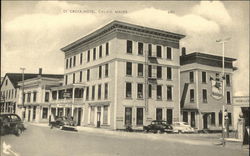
(61, 127)
(18, 132)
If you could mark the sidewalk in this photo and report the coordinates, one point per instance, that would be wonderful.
(193, 139)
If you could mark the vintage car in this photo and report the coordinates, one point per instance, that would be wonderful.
(182, 127)
(11, 124)
(158, 126)
(63, 123)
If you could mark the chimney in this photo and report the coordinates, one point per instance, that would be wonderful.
(183, 51)
(40, 72)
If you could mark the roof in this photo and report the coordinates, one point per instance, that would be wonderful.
(206, 59)
(118, 24)
(16, 77)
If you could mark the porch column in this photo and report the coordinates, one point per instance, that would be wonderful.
(109, 115)
(73, 101)
(64, 111)
(102, 108)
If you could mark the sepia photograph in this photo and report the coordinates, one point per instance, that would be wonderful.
(124, 78)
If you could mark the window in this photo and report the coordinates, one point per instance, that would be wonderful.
(191, 77)
(94, 53)
(149, 49)
(28, 98)
(6, 82)
(140, 70)
(169, 116)
(191, 95)
(204, 77)
(158, 51)
(66, 79)
(61, 94)
(220, 118)
(67, 63)
(46, 96)
(139, 91)
(158, 113)
(81, 58)
(70, 62)
(54, 95)
(229, 118)
(107, 48)
(169, 92)
(128, 90)
(99, 91)
(74, 75)
(34, 96)
(87, 93)
(80, 78)
(169, 53)
(100, 72)
(100, 51)
(106, 91)
(159, 72)
(185, 117)
(129, 46)
(105, 115)
(139, 116)
(106, 70)
(93, 92)
(74, 62)
(159, 92)
(34, 113)
(45, 113)
(169, 73)
(129, 68)
(204, 95)
(128, 115)
(88, 74)
(140, 48)
(213, 118)
(150, 91)
(228, 80)
(88, 56)
(228, 98)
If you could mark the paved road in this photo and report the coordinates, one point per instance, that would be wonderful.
(42, 141)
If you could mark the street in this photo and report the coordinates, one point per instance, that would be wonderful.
(43, 141)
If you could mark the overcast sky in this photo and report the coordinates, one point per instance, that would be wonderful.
(33, 32)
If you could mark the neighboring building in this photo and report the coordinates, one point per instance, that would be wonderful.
(37, 96)
(241, 109)
(201, 87)
(10, 89)
(121, 74)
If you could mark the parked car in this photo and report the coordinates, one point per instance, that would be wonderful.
(63, 123)
(182, 127)
(158, 126)
(11, 124)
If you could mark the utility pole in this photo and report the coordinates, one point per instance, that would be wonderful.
(223, 41)
(23, 93)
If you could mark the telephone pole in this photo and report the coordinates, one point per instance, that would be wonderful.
(23, 93)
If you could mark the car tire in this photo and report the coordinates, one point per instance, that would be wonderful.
(18, 132)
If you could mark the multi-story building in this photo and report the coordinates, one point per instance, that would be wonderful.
(37, 96)
(10, 89)
(202, 90)
(121, 74)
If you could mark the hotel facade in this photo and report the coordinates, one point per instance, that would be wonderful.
(202, 91)
(121, 74)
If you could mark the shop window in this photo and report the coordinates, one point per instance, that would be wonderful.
(169, 53)
(129, 68)
(139, 91)
(128, 90)
(128, 115)
(139, 116)
(129, 46)
(140, 70)
(45, 113)
(140, 48)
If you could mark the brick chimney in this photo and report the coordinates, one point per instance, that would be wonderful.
(183, 51)
(40, 72)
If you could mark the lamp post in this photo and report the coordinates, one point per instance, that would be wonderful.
(22, 93)
(223, 41)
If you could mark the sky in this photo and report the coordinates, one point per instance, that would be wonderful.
(33, 32)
